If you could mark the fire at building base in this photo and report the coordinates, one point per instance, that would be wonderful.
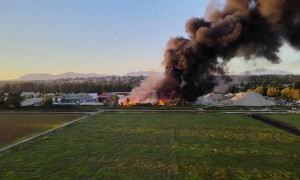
(211, 99)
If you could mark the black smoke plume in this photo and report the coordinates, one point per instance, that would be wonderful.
(242, 28)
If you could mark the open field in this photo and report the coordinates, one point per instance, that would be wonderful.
(292, 119)
(15, 127)
(56, 108)
(159, 146)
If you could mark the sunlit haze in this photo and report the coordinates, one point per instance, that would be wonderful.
(104, 37)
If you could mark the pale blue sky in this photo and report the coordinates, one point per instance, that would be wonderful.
(99, 36)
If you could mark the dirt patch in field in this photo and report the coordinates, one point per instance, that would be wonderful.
(14, 127)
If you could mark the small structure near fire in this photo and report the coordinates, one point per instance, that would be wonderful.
(107, 96)
(77, 98)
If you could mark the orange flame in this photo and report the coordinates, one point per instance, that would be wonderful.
(166, 102)
(128, 103)
(161, 102)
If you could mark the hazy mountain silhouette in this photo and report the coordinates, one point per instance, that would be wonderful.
(264, 72)
(46, 76)
(144, 73)
(72, 75)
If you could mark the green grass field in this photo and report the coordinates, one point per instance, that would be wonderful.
(159, 146)
(16, 127)
(292, 119)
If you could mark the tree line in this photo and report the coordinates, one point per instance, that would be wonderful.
(14, 100)
(285, 86)
(70, 87)
(291, 92)
(11, 99)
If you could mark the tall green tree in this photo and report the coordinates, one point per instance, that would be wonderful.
(14, 99)
(47, 101)
(2, 99)
(296, 84)
(6, 88)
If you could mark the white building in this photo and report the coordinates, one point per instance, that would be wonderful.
(76, 98)
(32, 102)
(30, 94)
(94, 96)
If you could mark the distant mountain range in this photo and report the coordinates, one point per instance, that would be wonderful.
(72, 75)
(46, 76)
(264, 72)
(144, 73)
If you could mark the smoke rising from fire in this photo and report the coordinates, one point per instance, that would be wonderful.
(242, 28)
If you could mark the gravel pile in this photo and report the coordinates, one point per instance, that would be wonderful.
(239, 99)
(250, 99)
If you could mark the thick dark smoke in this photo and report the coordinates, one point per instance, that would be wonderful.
(242, 28)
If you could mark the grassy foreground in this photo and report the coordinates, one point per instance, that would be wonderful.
(159, 146)
(15, 127)
(292, 119)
